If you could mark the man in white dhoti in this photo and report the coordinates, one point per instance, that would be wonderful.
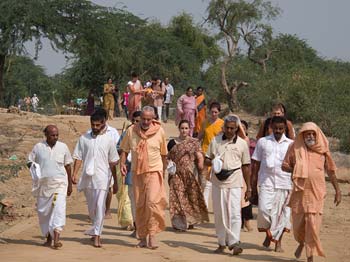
(50, 162)
(227, 184)
(97, 151)
(274, 184)
(114, 134)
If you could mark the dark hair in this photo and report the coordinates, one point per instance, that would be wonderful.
(215, 105)
(188, 88)
(155, 78)
(109, 78)
(184, 121)
(98, 115)
(245, 123)
(200, 88)
(134, 74)
(136, 114)
(279, 120)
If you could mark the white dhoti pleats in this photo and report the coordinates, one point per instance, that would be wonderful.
(273, 212)
(52, 213)
(96, 201)
(227, 214)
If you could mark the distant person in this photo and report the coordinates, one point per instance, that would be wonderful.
(90, 108)
(201, 111)
(274, 184)
(308, 158)
(266, 129)
(97, 151)
(158, 91)
(136, 92)
(126, 101)
(186, 108)
(50, 162)
(116, 95)
(168, 98)
(27, 102)
(108, 98)
(35, 102)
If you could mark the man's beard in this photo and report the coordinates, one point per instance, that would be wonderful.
(310, 142)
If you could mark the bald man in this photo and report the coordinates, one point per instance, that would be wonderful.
(50, 167)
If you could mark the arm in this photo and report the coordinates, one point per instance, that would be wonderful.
(165, 163)
(334, 181)
(69, 175)
(261, 131)
(123, 168)
(179, 105)
(76, 167)
(291, 133)
(254, 177)
(113, 167)
(200, 161)
(246, 175)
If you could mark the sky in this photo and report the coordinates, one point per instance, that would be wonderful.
(324, 24)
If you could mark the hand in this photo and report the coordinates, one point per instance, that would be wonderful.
(248, 195)
(337, 198)
(123, 169)
(74, 179)
(69, 189)
(115, 188)
(254, 200)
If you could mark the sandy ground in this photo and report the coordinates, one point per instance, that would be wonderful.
(20, 234)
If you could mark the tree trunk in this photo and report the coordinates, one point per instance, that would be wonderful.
(2, 86)
(231, 91)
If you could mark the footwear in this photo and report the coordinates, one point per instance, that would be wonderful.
(220, 250)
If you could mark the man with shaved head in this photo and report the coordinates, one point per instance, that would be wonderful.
(50, 160)
(146, 142)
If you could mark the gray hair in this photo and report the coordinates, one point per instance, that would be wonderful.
(148, 109)
(232, 118)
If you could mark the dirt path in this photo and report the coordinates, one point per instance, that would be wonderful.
(24, 239)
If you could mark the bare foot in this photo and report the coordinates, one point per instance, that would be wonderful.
(236, 250)
(57, 245)
(152, 242)
(56, 240)
(220, 250)
(108, 214)
(97, 241)
(48, 242)
(267, 242)
(278, 247)
(299, 250)
(142, 243)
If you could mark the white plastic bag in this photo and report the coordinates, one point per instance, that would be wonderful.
(171, 168)
(216, 164)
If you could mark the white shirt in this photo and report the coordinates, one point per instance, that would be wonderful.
(270, 153)
(51, 161)
(96, 154)
(169, 93)
(35, 100)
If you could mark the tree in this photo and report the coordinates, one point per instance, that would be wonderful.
(27, 20)
(240, 22)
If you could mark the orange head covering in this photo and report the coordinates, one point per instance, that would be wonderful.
(141, 149)
(321, 146)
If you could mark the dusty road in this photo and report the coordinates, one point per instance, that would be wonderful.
(23, 240)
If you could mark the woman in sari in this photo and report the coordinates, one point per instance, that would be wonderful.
(186, 201)
(186, 109)
(211, 128)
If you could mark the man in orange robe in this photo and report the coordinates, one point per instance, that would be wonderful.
(307, 159)
(147, 144)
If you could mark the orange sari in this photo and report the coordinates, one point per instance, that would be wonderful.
(201, 113)
(134, 103)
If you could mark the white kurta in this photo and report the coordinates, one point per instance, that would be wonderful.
(96, 154)
(51, 188)
(274, 185)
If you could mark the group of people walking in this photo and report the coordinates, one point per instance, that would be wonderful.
(283, 175)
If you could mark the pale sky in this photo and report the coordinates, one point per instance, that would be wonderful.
(324, 24)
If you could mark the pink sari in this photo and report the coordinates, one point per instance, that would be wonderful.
(186, 110)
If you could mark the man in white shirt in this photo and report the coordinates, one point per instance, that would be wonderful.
(274, 184)
(51, 159)
(97, 151)
(35, 102)
(169, 94)
(227, 185)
